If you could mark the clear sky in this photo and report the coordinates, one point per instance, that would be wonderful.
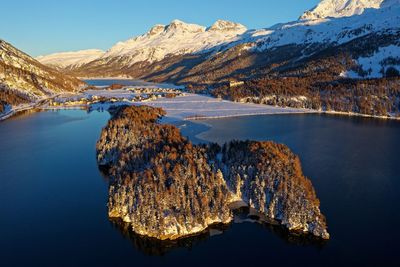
(48, 26)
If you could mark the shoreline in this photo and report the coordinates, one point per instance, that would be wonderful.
(200, 118)
(108, 78)
(12, 112)
(284, 111)
(353, 114)
(311, 111)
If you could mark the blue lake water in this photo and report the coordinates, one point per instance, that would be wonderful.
(53, 198)
(355, 168)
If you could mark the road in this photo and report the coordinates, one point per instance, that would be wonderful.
(25, 107)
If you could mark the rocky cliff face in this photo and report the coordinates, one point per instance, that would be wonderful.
(167, 188)
(22, 77)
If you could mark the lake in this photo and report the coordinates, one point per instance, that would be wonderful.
(53, 197)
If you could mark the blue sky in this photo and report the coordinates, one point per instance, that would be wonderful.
(48, 26)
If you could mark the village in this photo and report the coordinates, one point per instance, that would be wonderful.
(111, 94)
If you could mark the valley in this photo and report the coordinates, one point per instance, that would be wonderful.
(241, 134)
(336, 58)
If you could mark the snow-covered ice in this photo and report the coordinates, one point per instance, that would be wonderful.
(185, 106)
(192, 106)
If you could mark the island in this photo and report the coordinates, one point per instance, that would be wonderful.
(167, 188)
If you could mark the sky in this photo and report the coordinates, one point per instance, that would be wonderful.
(49, 26)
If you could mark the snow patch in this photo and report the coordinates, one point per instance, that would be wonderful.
(376, 65)
(193, 106)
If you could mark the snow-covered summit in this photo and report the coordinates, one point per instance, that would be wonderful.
(223, 25)
(70, 59)
(178, 25)
(176, 38)
(330, 24)
(330, 30)
(344, 8)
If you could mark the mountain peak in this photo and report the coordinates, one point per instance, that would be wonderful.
(183, 26)
(343, 8)
(224, 25)
(156, 29)
(178, 22)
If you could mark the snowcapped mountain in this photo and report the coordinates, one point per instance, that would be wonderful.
(376, 32)
(372, 37)
(174, 39)
(21, 76)
(330, 30)
(69, 60)
(183, 52)
(344, 8)
(160, 41)
(304, 63)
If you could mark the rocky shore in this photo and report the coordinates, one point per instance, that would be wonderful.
(165, 187)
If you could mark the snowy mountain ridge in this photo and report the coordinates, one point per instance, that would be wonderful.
(70, 59)
(329, 30)
(175, 38)
(344, 8)
(334, 23)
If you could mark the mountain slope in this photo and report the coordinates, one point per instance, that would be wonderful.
(255, 51)
(160, 42)
(176, 38)
(23, 79)
(340, 8)
(331, 31)
(372, 38)
(181, 52)
(70, 60)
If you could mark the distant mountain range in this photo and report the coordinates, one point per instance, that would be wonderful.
(190, 53)
(71, 60)
(161, 41)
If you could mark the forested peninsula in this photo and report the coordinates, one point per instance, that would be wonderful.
(167, 188)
